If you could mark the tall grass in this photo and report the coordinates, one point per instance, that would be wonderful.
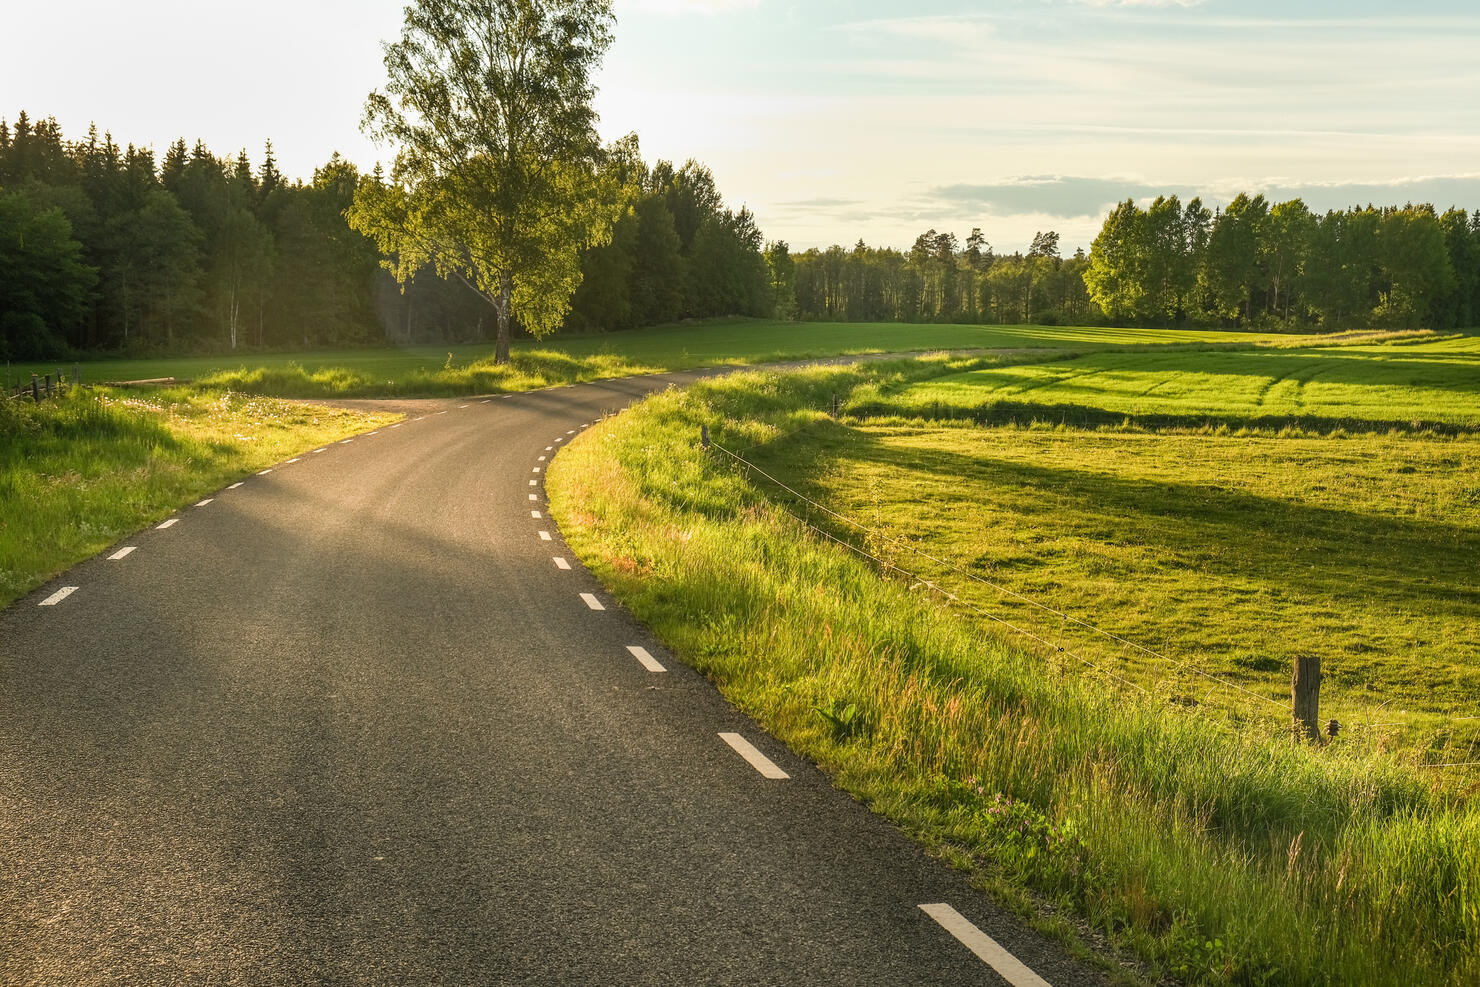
(1222, 854)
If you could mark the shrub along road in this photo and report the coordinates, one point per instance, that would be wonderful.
(355, 721)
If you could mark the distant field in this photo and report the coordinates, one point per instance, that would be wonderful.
(467, 368)
(1436, 382)
(1216, 536)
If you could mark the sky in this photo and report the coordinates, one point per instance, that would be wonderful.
(841, 120)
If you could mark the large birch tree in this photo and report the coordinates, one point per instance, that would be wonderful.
(496, 179)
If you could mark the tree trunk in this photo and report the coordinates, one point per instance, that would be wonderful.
(502, 306)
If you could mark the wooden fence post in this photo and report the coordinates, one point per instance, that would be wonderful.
(1305, 695)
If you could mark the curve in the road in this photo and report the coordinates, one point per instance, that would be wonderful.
(359, 719)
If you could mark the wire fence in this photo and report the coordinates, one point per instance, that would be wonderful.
(1366, 725)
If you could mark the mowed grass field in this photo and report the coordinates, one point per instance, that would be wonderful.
(466, 369)
(1227, 550)
(1360, 386)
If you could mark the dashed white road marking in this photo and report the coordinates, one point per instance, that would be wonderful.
(205, 502)
(317, 451)
(485, 400)
(292, 461)
(753, 757)
(545, 536)
(122, 553)
(398, 424)
(542, 459)
(264, 472)
(461, 407)
(535, 470)
(441, 412)
(236, 484)
(592, 601)
(170, 523)
(561, 563)
(549, 448)
(368, 434)
(536, 515)
(984, 946)
(571, 432)
(533, 497)
(346, 442)
(534, 483)
(58, 596)
(421, 419)
(648, 661)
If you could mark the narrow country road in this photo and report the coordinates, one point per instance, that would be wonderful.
(362, 719)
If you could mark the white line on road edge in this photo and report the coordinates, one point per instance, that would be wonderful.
(533, 497)
(264, 472)
(648, 661)
(561, 563)
(398, 424)
(368, 434)
(535, 470)
(346, 442)
(592, 601)
(541, 459)
(122, 552)
(317, 451)
(58, 596)
(536, 515)
(170, 522)
(544, 536)
(534, 483)
(461, 407)
(984, 946)
(549, 448)
(485, 400)
(235, 485)
(205, 502)
(292, 461)
(571, 432)
(753, 757)
(421, 419)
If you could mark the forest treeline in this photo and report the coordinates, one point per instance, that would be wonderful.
(105, 248)
(1250, 265)
(938, 280)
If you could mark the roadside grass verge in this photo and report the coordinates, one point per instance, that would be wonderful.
(461, 369)
(1220, 851)
(78, 473)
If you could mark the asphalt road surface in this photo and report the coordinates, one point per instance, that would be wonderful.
(353, 721)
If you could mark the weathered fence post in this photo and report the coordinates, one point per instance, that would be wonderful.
(704, 436)
(35, 389)
(835, 406)
(48, 386)
(1305, 696)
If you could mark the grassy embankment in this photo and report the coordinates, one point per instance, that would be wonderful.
(78, 473)
(427, 371)
(1215, 847)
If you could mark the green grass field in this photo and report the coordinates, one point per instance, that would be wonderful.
(1355, 386)
(448, 370)
(1209, 843)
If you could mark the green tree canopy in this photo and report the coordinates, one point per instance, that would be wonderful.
(496, 179)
